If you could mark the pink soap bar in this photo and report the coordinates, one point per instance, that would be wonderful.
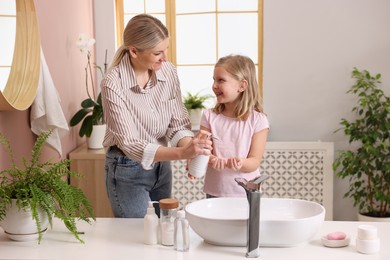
(336, 236)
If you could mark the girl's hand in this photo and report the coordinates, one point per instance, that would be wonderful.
(235, 163)
(218, 163)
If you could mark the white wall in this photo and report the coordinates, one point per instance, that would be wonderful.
(105, 32)
(310, 49)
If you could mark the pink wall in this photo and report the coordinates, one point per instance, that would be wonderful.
(60, 23)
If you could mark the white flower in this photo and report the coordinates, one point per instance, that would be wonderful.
(84, 43)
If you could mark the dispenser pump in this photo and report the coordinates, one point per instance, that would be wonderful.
(150, 209)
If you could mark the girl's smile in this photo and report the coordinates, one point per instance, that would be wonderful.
(226, 87)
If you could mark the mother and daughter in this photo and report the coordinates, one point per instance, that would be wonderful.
(148, 125)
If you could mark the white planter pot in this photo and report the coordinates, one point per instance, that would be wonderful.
(195, 115)
(371, 219)
(19, 225)
(95, 141)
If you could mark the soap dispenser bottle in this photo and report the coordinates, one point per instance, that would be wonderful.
(151, 226)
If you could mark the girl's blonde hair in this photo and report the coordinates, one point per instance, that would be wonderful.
(143, 32)
(242, 68)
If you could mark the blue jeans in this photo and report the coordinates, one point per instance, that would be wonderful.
(130, 187)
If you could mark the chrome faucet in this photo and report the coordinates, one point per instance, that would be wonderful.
(253, 194)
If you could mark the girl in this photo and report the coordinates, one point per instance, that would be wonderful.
(238, 125)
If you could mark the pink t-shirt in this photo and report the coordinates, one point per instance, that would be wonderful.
(234, 140)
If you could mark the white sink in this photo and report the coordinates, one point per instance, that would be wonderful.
(283, 222)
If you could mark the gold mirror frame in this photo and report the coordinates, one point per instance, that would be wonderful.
(22, 84)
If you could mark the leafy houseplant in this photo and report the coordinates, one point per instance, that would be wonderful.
(91, 112)
(195, 101)
(43, 186)
(368, 166)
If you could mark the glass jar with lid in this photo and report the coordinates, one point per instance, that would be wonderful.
(168, 208)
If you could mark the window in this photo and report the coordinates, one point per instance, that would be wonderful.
(201, 32)
(7, 36)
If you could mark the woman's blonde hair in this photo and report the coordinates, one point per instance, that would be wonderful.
(143, 32)
(242, 68)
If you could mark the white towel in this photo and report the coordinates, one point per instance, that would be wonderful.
(46, 112)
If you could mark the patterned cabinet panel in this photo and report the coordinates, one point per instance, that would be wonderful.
(300, 170)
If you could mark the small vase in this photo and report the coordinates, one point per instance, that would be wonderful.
(195, 115)
(95, 141)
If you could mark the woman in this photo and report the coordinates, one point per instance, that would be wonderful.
(143, 110)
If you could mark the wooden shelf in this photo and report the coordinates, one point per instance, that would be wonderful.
(90, 165)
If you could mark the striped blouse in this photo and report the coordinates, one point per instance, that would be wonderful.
(140, 120)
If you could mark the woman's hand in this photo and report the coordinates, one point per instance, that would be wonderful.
(191, 177)
(204, 142)
(200, 144)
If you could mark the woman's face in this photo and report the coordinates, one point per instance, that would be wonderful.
(226, 88)
(151, 59)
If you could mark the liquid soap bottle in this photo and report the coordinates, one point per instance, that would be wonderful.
(151, 226)
(198, 165)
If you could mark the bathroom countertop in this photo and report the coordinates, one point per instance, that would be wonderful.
(114, 238)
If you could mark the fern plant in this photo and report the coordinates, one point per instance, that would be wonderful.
(43, 185)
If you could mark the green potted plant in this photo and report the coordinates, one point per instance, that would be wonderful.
(194, 103)
(91, 112)
(367, 166)
(40, 189)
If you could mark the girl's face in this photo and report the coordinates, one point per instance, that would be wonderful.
(151, 59)
(226, 88)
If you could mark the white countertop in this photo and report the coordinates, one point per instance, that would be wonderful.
(114, 238)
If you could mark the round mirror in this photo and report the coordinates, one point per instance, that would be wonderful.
(20, 54)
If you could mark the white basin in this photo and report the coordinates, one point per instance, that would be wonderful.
(283, 222)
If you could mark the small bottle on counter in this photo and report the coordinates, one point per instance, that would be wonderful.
(181, 232)
(151, 226)
(168, 209)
